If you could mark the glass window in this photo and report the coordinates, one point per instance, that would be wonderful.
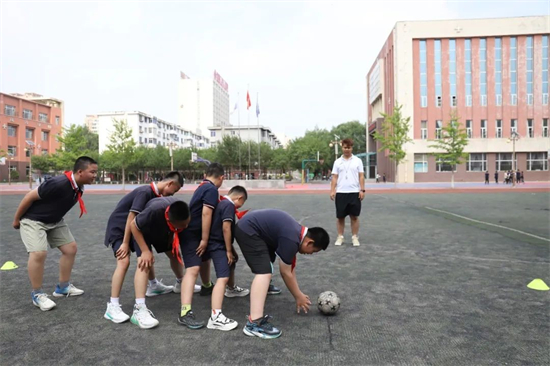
(452, 69)
(504, 161)
(498, 130)
(12, 131)
(545, 69)
(442, 166)
(212, 133)
(42, 117)
(513, 126)
(537, 161)
(476, 163)
(44, 151)
(498, 71)
(483, 128)
(438, 125)
(27, 114)
(469, 128)
(529, 67)
(483, 71)
(420, 163)
(437, 69)
(57, 120)
(9, 110)
(424, 130)
(28, 133)
(545, 127)
(45, 135)
(468, 71)
(530, 132)
(12, 150)
(423, 75)
(513, 70)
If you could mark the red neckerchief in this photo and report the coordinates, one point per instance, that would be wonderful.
(78, 192)
(155, 189)
(176, 242)
(238, 213)
(293, 265)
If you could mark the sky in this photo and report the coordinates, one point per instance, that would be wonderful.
(306, 61)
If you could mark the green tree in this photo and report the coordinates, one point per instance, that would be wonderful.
(306, 147)
(44, 163)
(76, 141)
(450, 146)
(394, 134)
(280, 161)
(122, 145)
(354, 130)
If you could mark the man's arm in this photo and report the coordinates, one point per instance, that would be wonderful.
(227, 238)
(146, 259)
(26, 202)
(333, 184)
(123, 251)
(289, 276)
(361, 186)
(206, 224)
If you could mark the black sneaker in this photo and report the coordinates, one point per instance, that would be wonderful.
(206, 291)
(190, 321)
(262, 329)
(273, 290)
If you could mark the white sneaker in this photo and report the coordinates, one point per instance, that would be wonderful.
(222, 323)
(236, 291)
(339, 240)
(355, 240)
(158, 289)
(143, 317)
(177, 288)
(41, 300)
(115, 314)
(67, 291)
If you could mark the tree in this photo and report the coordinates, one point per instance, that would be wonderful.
(451, 145)
(354, 130)
(44, 163)
(394, 134)
(76, 141)
(122, 145)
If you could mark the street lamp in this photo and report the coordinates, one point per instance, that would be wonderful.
(30, 149)
(514, 136)
(335, 143)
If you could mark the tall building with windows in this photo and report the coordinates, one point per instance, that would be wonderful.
(493, 73)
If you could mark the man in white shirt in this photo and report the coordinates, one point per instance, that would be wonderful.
(347, 190)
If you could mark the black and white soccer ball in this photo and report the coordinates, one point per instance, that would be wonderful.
(328, 303)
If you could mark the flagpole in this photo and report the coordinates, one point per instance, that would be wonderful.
(248, 116)
(259, 134)
(239, 122)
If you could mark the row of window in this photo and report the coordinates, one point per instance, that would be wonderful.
(483, 128)
(12, 151)
(496, 54)
(477, 162)
(29, 133)
(9, 110)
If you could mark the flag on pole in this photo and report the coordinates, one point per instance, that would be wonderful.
(257, 108)
(235, 108)
(248, 103)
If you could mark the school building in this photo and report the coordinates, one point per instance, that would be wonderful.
(492, 72)
(30, 124)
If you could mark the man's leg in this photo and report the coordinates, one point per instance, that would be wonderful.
(66, 262)
(35, 267)
(354, 225)
(258, 293)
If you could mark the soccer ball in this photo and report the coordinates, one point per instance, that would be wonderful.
(328, 303)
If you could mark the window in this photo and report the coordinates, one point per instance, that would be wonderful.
(28, 153)
(44, 151)
(9, 110)
(483, 128)
(420, 163)
(498, 130)
(529, 69)
(423, 76)
(212, 133)
(483, 71)
(513, 71)
(545, 70)
(513, 126)
(12, 131)
(441, 166)
(530, 132)
(545, 127)
(13, 168)
(437, 70)
(504, 161)
(424, 130)
(477, 163)
(45, 135)
(468, 71)
(452, 71)
(27, 114)
(28, 133)
(12, 150)
(57, 120)
(469, 128)
(498, 71)
(232, 132)
(27, 170)
(42, 117)
(438, 125)
(537, 161)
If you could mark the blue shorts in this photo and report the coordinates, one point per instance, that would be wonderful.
(189, 244)
(118, 242)
(159, 247)
(219, 258)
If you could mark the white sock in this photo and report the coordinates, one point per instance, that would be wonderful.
(215, 313)
(140, 301)
(153, 282)
(178, 280)
(114, 301)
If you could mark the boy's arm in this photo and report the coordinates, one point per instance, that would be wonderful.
(26, 202)
(289, 276)
(333, 181)
(361, 186)
(227, 237)
(146, 259)
(124, 249)
(206, 223)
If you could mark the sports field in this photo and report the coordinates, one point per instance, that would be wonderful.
(439, 279)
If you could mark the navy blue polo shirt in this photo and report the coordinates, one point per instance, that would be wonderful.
(134, 201)
(277, 228)
(224, 212)
(205, 195)
(57, 197)
(152, 222)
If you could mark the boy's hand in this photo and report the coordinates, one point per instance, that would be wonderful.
(230, 258)
(202, 247)
(146, 260)
(123, 251)
(235, 255)
(16, 224)
(332, 195)
(302, 303)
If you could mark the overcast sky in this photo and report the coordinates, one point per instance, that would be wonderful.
(307, 60)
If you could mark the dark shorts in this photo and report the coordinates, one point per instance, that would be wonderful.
(159, 247)
(256, 252)
(347, 204)
(115, 245)
(188, 245)
(219, 259)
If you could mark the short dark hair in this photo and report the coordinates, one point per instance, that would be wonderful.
(82, 163)
(238, 190)
(178, 211)
(175, 176)
(320, 237)
(215, 170)
(348, 142)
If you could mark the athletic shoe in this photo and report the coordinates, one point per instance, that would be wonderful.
(143, 317)
(177, 288)
(236, 291)
(222, 323)
(207, 291)
(115, 314)
(158, 288)
(190, 321)
(339, 240)
(41, 300)
(67, 291)
(355, 240)
(262, 329)
(273, 290)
